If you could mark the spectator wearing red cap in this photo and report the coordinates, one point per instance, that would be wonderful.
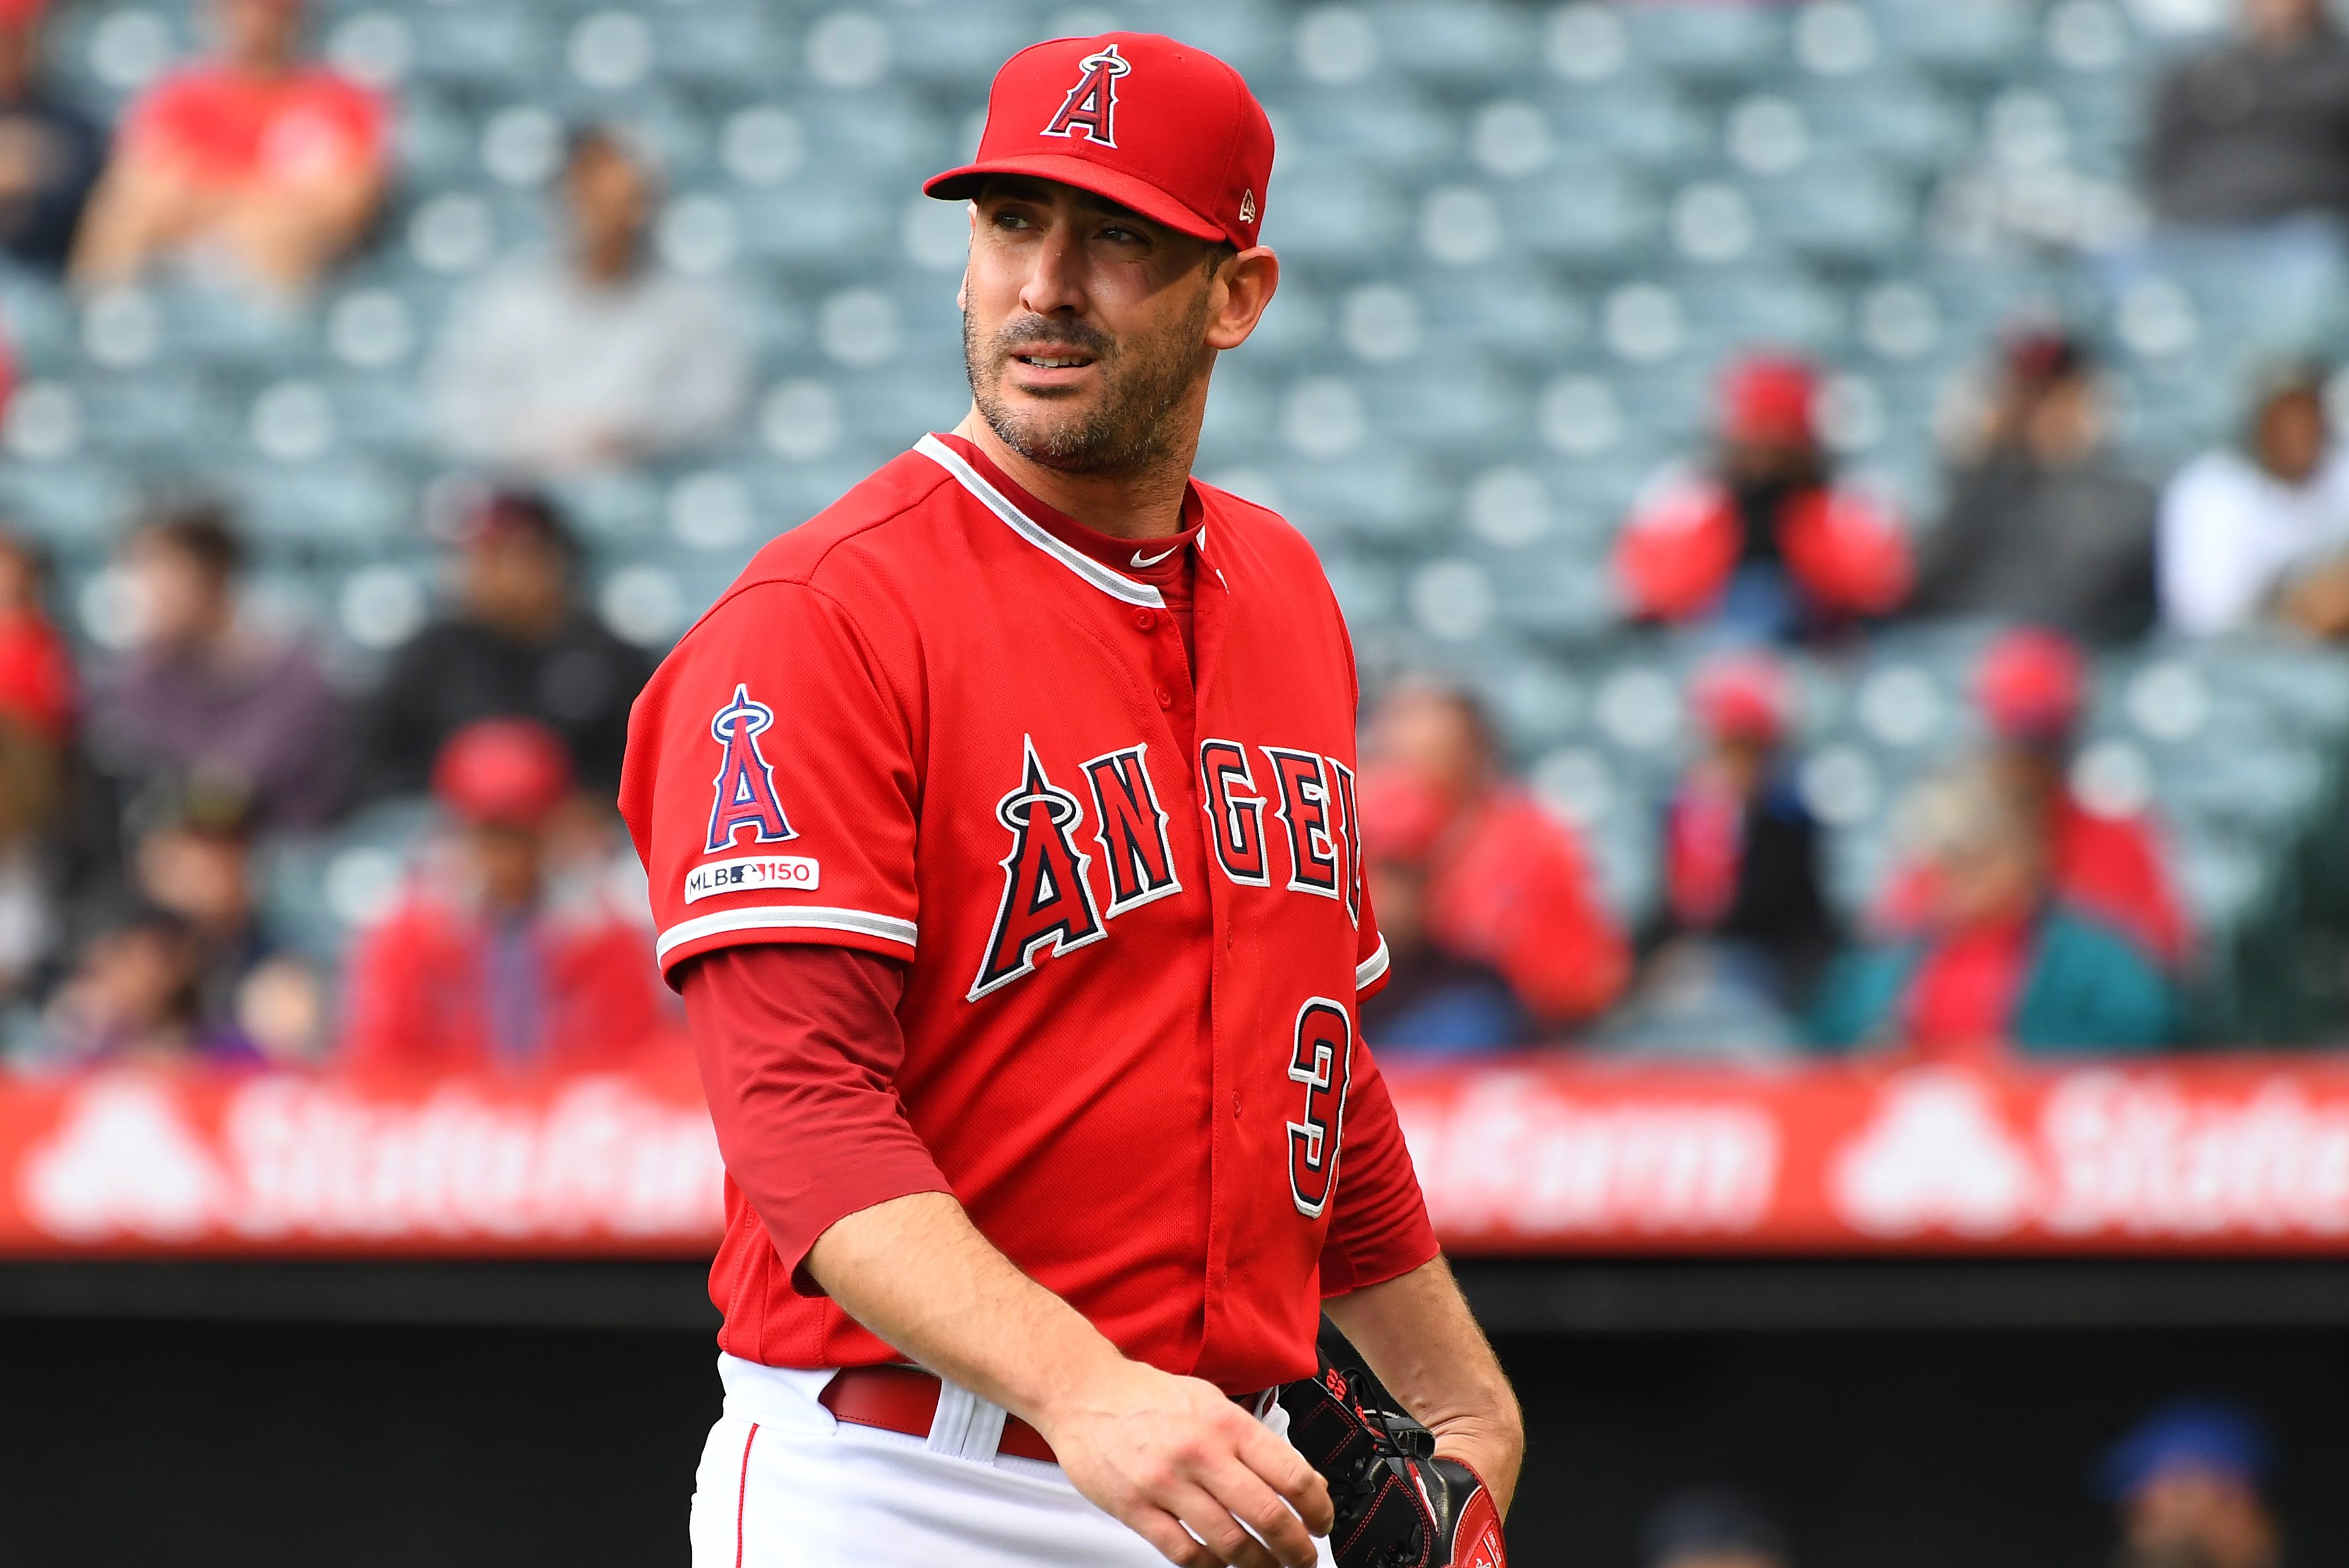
(2041, 525)
(490, 960)
(1507, 883)
(1742, 906)
(1435, 1001)
(2000, 960)
(517, 643)
(2030, 688)
(254, 165)
(1766, 543)
(50, 151)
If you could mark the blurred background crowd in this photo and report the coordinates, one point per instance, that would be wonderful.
(1842, 508)
(1840, 504)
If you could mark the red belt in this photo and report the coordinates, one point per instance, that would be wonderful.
(906, 1399)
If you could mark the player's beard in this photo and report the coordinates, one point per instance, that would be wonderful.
(1127, 427)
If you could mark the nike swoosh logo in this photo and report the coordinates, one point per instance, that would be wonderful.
(1142, 559)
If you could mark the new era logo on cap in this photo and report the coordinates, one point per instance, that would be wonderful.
(1165, 129)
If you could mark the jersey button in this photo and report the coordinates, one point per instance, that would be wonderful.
(1145, 619)
(1165, 697)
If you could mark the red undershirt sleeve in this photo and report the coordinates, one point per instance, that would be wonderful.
(1379, 1228)
(799, 1047)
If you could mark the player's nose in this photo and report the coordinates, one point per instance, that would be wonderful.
(1055, 273)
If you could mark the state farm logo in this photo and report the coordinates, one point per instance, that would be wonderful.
(1515, 1155)
(294, 1159)
(1937, 1154)
(124, 1162)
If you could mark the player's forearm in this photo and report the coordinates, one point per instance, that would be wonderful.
(918, 1273)
(1419, 1337)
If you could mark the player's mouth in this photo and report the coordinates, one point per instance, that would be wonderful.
(1050, 369)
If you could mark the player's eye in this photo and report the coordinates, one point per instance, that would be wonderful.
(1118, 235)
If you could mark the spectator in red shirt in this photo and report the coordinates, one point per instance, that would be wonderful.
(1507, 882)
(2031, 687)
(490, 960)
(1763, 542)
(37, 672)
(1435, 1000)
(254, 164)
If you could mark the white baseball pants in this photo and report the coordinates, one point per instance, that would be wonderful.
(783, 1484)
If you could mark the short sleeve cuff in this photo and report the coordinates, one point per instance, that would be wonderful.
(883, 1181)
(888, 935)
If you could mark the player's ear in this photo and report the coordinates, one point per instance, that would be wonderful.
(1244, 285)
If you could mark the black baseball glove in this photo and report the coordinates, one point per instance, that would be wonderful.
(1398, 1505)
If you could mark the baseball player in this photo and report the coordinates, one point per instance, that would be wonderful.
(1002, 834)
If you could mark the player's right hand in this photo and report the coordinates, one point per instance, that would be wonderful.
(1189, 1471)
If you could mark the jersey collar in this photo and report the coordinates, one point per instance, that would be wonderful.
(1109, 580)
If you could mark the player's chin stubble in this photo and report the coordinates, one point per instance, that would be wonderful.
(1125, 426)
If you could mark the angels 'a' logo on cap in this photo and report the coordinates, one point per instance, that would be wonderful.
(1092, 105)
(1247, 206)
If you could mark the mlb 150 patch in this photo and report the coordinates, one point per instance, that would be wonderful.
(750, 873)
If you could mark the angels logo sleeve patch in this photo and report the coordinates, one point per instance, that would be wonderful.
(771, 783)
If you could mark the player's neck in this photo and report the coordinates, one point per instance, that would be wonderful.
(1145, 504)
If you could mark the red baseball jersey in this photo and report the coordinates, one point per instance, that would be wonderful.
(1131, 908)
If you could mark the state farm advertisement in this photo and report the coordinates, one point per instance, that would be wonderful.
(2222, 1154)
(599, 1164)
(1527, 1156)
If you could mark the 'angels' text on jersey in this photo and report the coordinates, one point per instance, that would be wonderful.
(1049, 902)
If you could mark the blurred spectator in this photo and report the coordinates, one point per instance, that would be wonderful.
(598, 358)
(2030, 688)
(1999, 959)
(195, 864)
(2263, 532)
(37, 672)
(2041, 525)
(519, 646)
(2189, 1484)
(1711, 1528)
(1741, 849)
(204, 695)
(1507, 883)
(2257, 129)
(1764, 544)
(133, 996)
(33, 869)
(1743, 928)
(492, 959)
(1434, 999)
(49, 149)
(255, 168)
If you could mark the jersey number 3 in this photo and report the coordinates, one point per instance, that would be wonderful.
(1323, 1059)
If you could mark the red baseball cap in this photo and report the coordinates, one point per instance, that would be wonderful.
(1770, 398)
(1744, 696)
(502, 772)
(2031, 685)
(1165, 130)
